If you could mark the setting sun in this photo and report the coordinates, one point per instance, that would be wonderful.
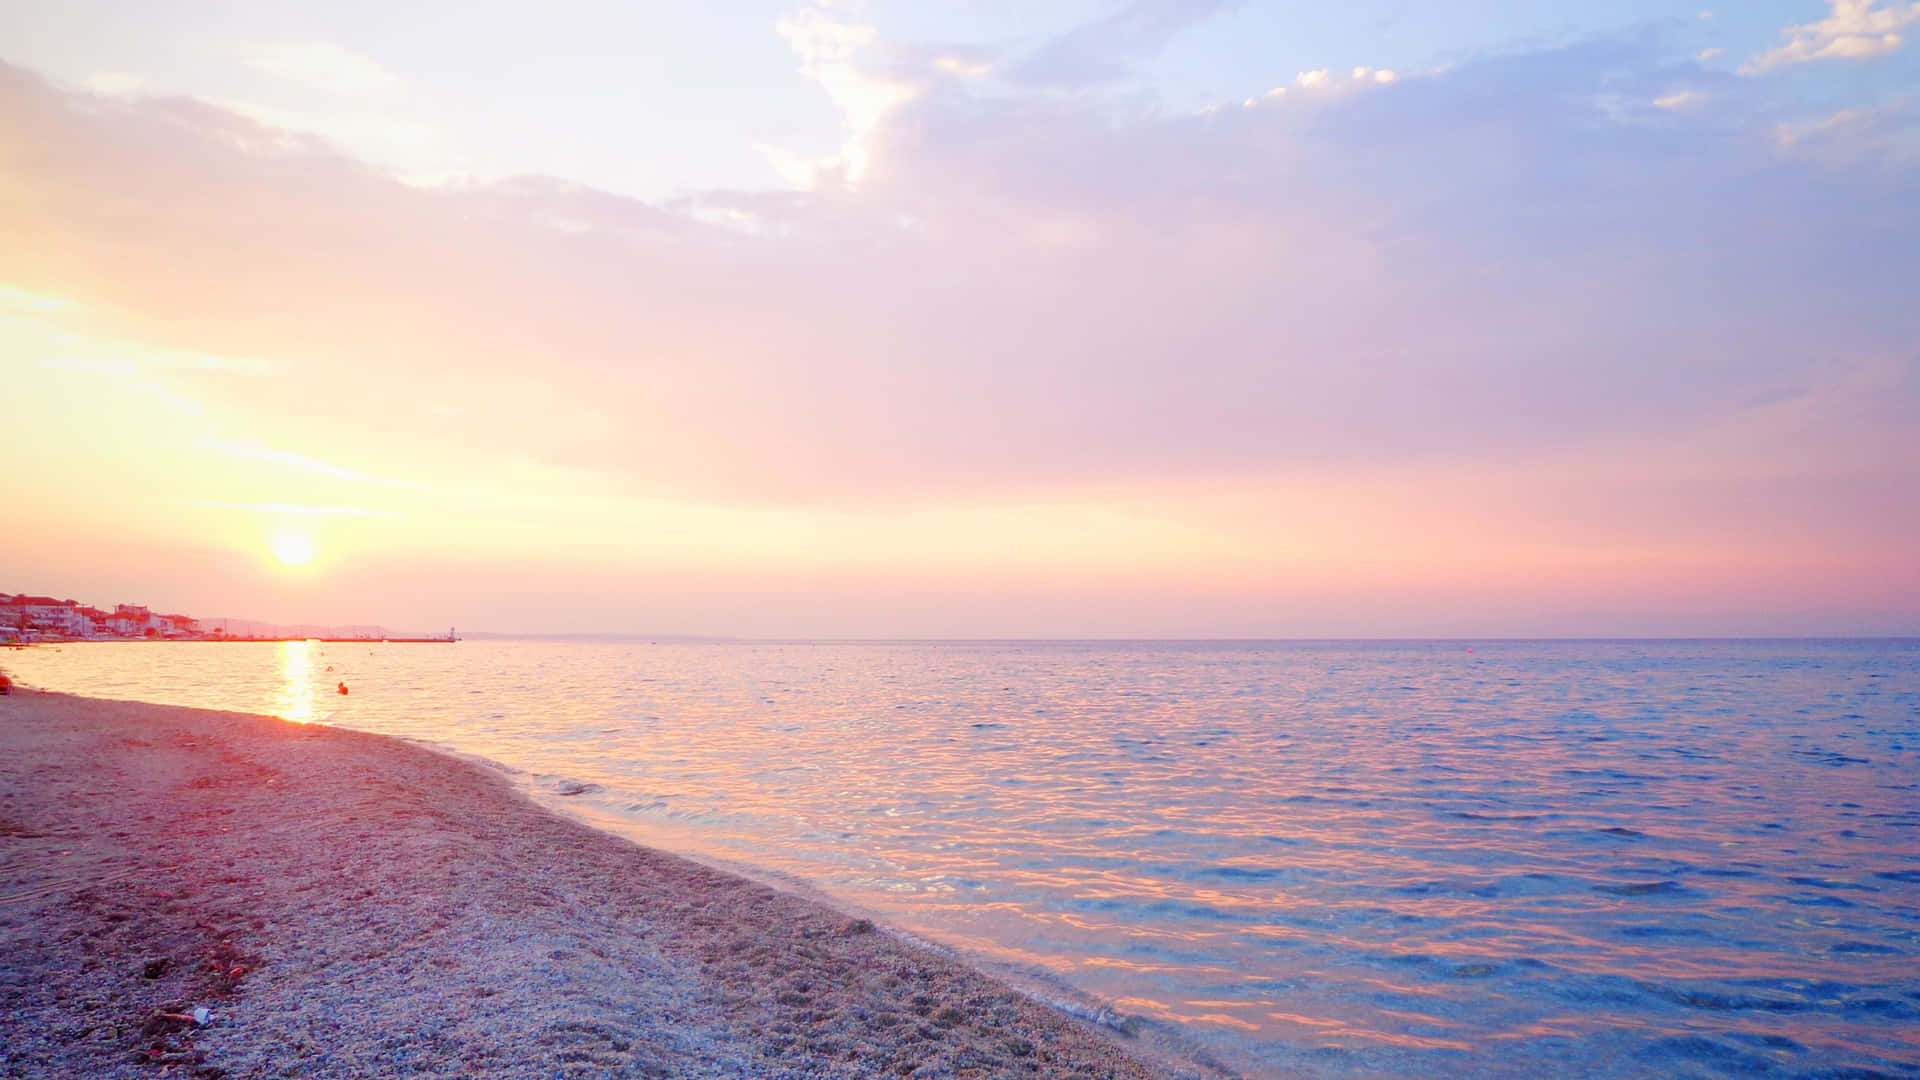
(294, 549)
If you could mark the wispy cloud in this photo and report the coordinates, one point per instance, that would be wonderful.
(293, 508)
(317, 65)
(22, 300)
(1322, 84)
(259, 451)
(1105, 49)
(115, 83)
(1886, 133)
(169, 399)
(1852, 30)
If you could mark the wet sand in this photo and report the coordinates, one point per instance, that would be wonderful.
(347, 904)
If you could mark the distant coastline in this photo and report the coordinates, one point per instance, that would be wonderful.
(27, 619)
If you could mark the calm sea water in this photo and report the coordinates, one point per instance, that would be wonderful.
(1607, 859)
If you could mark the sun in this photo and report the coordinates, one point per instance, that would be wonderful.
(294, 549)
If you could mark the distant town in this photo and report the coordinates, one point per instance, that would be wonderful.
(26, 619)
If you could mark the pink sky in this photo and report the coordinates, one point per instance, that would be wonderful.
(1596, 339)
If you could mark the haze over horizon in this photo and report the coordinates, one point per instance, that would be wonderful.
(866, 320)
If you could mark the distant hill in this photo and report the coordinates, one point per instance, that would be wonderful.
(256, 628)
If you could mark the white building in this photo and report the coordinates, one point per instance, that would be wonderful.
(46, 615)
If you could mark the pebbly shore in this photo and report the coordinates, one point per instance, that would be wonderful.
(200, 894)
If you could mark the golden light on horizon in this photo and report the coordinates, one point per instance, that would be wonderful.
(293, 549)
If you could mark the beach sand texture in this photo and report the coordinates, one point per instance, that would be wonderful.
(348, 904)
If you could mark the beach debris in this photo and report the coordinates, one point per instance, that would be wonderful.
(202, 1015)
(343, 687)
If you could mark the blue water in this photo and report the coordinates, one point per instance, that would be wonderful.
(1609, 859)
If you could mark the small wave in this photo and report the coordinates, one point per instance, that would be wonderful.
(1643, 888)
(1698, 1049)
(1622, 832)
(1864, 948)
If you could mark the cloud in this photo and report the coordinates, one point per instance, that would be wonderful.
(963, 66)
(22, 300)
(395, 142)
(294, 508)
(1680, 99)
(1852, 30)
(317, 65)
(1104, 50)
(1027, 293)
(258, 451)
(115, 83)
(1323, 83)
(1886, 134)
(828, 49)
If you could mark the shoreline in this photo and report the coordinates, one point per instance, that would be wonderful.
(352, 904)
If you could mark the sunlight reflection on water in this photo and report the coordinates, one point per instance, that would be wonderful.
(1395, 859)
(294, 701)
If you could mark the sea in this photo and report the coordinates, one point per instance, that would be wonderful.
(1418, 859)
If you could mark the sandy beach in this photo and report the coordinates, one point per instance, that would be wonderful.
(346, 904)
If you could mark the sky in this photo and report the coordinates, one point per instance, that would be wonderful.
(967, 319)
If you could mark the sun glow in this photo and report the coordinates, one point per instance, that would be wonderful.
(294, 549)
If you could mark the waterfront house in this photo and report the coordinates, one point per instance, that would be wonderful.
(131, 620)
(45, 614)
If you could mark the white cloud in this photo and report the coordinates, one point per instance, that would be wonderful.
(1682, 99)
(115, 83)
(294, 508)
(169, 399)
(21, 298)
(259, 451)
(1852, 30)
(963, 67)
(317, 65)
(1323, 81)
(797, 170)
(411, 150)
(1705, 55)
(827, 48)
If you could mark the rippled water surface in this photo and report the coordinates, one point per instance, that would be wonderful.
(1530, 859)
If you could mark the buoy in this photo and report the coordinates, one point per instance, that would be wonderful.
(343, 688)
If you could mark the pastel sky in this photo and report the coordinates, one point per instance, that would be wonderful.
(967, 319)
